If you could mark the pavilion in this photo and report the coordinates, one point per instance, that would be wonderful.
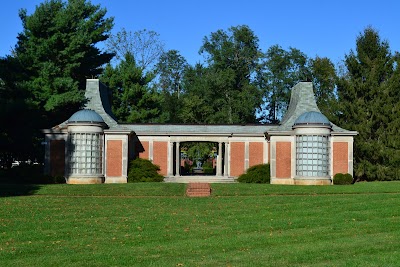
(305, 148)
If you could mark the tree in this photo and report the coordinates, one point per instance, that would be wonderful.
(171, 70)
(47, 70)
(324, 79)
(195, 103)
(57, 52)
(369, 103)
(226, 85)
(281, 71)
(145, 46)
(15, 112)
(133, 100)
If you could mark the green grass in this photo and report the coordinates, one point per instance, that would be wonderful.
(239, 225)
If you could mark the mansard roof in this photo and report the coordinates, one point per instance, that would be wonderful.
(302, 100)
(97, 96)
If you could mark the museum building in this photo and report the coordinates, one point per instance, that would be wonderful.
(304, 149)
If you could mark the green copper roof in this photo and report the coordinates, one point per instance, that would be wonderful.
(312, 118)
(85, 115)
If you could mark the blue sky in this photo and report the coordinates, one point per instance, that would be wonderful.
(323, 28)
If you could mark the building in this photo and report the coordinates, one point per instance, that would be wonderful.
(92, 147)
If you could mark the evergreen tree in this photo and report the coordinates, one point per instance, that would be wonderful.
(57, 52)
(369, 101)
(133, 100)
(43, 80)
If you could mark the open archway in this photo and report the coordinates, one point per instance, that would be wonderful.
(198, 158)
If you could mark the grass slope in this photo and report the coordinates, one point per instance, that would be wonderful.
(240, 225)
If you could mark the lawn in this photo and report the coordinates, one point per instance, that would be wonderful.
(151, 224)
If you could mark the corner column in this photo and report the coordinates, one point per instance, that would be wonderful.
(226, 160)
(219, 160)
(170, 171)
(178, 159)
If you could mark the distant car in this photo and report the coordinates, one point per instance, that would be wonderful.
(15, 164)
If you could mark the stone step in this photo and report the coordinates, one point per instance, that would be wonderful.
(199, 179)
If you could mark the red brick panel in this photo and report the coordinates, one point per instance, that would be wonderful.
(114, 158)
(340, 157)
(237, 158)
(160, 156)
(283, 159)
(256, 153)
(57, 157)
(145, 153)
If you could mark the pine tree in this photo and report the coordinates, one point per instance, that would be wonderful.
(57, 52)
(43, 80)
(369, 101)
(133, 100)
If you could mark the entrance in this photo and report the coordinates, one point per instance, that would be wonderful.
(199, 159)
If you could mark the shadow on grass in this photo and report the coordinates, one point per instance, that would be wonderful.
(12, 190)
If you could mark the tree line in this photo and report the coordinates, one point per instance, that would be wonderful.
(42, 82)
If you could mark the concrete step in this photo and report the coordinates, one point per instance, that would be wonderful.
(199, 179)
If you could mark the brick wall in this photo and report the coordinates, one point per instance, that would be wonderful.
(237, 158)
(57, 157)
(145, 153)
(160, 156)
(256, 153)
(114, 158)
(340, 157)
(283, 159)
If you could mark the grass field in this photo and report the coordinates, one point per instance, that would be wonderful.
(239, 225)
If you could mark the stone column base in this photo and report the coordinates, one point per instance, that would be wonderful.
(116, 180)
(312, 181)
(282, 181)
(85, 180)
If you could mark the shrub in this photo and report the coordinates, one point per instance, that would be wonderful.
(342, 179)
(143, 170)
(207, 164)
(256, 174)
(208, 170)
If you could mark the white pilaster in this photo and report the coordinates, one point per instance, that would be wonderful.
(219, 159)
(178, 159)
(226, 161)
(170, 159)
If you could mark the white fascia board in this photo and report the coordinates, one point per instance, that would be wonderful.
(347, 133)
(119, 132)
(279, 133)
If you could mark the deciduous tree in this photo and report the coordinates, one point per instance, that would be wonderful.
(282, 70)
(171, 70)
(145, 46)
(226, 83)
